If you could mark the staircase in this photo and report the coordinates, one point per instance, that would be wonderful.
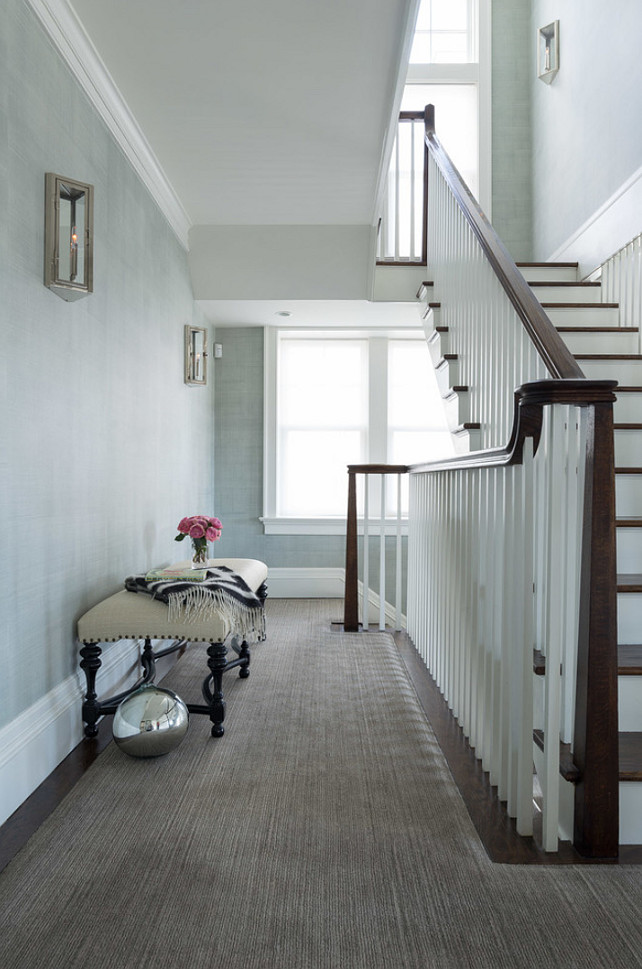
(604, 349)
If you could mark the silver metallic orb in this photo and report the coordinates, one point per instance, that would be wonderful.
(150, 722)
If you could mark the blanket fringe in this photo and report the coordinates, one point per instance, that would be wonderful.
(203, 605)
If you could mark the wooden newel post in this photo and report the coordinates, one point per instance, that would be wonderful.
(351, 600)
(596, 725)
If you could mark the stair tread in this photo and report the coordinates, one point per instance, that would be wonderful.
(597, 329)
(608, 356)
(629, 582)
(565, 265)
(630, 745)
(632, 521)
(628, 470)
(629, 659)
(563, 282)
(628, 389)
(629, 426)
(580, 306)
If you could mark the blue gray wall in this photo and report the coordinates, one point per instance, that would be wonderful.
(512, 68)
(103, 448)
(587, 136)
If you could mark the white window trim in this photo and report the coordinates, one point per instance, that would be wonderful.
(279, 525)
(480, 74)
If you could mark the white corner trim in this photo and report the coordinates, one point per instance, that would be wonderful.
(75, 46)
(610, 227)
(32, 745)
(390, 613)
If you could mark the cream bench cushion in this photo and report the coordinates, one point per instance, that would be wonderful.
(134, 615)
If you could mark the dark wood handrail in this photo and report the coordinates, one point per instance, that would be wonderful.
(550, 346)
(529, 399)
(351, 597)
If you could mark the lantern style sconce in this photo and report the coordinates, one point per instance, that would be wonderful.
(195, 355)
(548, 52)
(69, 231)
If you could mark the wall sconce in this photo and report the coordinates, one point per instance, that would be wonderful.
(548, 52)
(195, 355)
(69, 232)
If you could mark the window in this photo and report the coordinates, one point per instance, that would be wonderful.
(450, 68)
(335, 398)
(444, 33)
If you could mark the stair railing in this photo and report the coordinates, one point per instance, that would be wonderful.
(512, 548)
(402, 227)
(379, 526)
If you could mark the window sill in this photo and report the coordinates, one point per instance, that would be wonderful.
(327, 526)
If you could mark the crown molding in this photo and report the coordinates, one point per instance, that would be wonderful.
(74, 45)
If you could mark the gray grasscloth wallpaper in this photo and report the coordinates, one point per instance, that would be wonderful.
(103, 448)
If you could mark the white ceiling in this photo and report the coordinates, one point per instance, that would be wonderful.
(312, 313)
(259, 111)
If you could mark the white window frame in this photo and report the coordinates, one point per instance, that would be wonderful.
(479, 74)
(377, 441)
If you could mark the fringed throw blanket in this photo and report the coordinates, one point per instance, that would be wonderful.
(199, 597)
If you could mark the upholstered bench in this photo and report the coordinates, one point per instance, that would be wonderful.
(131, 615)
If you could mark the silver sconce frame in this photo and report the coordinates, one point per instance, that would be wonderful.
(548, 51)
(195, 355)
(69, 237)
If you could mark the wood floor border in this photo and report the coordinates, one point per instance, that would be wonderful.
(496, 830)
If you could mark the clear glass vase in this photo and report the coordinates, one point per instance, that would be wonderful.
(199, 553)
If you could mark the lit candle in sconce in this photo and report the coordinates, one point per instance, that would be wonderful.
(547, 59)
(73, 254)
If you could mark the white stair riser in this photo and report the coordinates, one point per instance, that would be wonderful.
(583, 315)
(629, 690)
(549, 273)
(437, 346)
(598, 342)
(447, 376)
(467, 441)
(629, 613)
(628, 448)
(457, 409)
(628, 495)
(628, 407)
(630, 812)
(567, 294)
(629, 549)
(627, 372)
(431, 319)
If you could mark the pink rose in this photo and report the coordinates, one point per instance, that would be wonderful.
(184, 526)
(212, 534)
(197, 531)
(215, 523)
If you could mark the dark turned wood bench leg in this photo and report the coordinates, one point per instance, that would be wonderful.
(91, 707)
(216, 653)
(244, 656)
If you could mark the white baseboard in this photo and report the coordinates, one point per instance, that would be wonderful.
(323, 584)
(610, 228)
(306, 583)
(33, 744)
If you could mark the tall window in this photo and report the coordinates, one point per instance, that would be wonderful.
(334, 399)
(449, 67)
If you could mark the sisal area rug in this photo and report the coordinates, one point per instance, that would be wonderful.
(322, 831)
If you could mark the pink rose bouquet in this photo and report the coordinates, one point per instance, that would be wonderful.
(201, 529)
